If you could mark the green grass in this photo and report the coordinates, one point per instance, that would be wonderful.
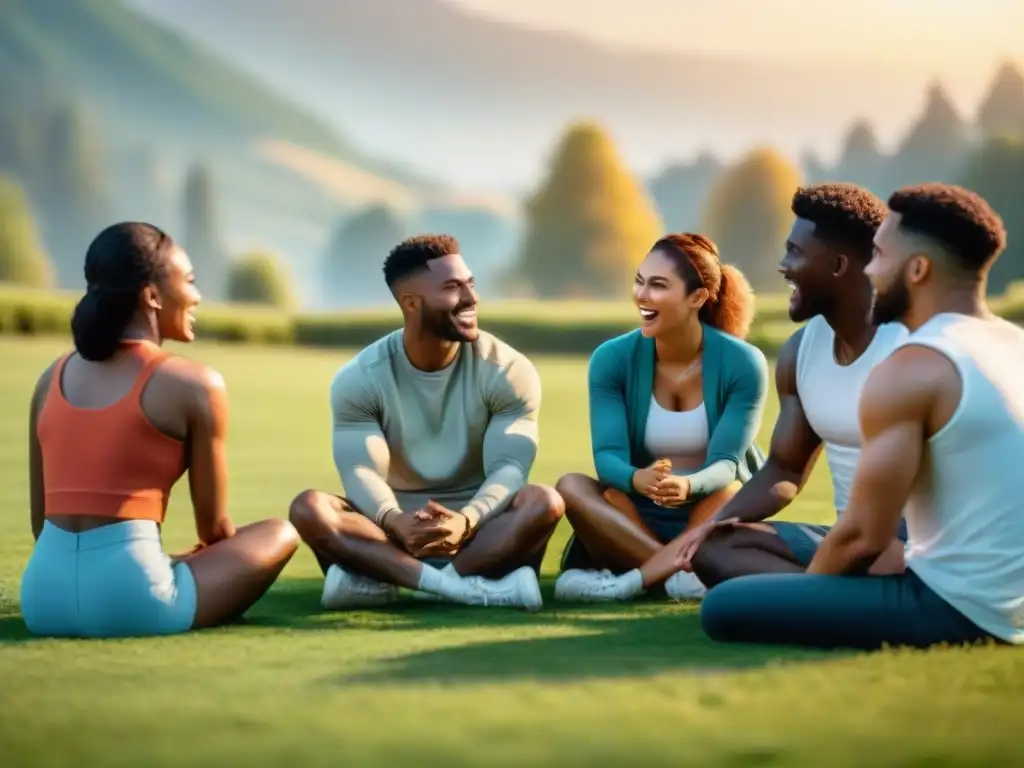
(450, 686)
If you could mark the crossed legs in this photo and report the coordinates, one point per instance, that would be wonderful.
(340, 536)
(615, 538)
(746, 549)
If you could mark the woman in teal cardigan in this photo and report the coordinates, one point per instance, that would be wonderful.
(675, 408)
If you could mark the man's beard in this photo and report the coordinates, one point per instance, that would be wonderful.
(441, 323)
(891, 305)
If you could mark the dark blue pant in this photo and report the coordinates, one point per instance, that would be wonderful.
(864, 612)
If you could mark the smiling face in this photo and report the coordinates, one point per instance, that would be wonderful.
(660, 294)
(887, 272)
(447, 299)
(810, 268)
(175, 298)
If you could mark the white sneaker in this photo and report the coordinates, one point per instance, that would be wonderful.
(683, 585)
(343, 589)
(589, 586)
(520, 589)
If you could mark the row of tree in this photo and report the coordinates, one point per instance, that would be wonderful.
(57, 158)
(586, 226)
(591, 221)
(252, 277)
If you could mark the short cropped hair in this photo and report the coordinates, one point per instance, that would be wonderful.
(957, 219)
(412, 254)
(842, 213)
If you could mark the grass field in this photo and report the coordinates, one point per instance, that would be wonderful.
(433, 685)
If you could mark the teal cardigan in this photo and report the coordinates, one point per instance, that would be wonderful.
(621, 378)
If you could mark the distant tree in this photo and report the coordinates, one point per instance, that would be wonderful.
(487, 235)
(590, 223)
(861, 160)
(681, 188)
(259, 278)
(354, 258)
(22, 258)
(813, 167)
(20, 154)
(748, 214)
(996, 172)
(202, 237)
(145, 189)
(1002, 110)
(935, 147)
(74, 193)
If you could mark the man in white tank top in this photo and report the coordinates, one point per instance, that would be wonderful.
(819, 376)
(943, 426)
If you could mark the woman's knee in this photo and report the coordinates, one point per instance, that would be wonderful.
(284, 535)
(573, 486)
(276, 538)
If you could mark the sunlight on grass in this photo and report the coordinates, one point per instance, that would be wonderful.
(452, 686)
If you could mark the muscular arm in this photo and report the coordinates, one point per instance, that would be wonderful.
(510, 442)
(361, 453)
(36, 486)
(208, 457)
(793, 452)
(895, 409)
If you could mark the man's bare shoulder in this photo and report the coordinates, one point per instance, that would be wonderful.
(908, 383)
(785, 364)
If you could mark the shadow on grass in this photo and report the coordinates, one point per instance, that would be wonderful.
(13, 630)
(604, 648)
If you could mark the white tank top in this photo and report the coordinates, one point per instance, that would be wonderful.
(676, 433)
(965, 517)
(829, 393)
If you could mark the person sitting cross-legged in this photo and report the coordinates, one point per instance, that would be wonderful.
(675, 407)
(435, 434)
(943, 431)
(819, 376)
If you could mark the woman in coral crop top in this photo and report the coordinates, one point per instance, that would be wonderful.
(114, 425)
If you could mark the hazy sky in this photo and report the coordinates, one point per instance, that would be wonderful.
(955, 39)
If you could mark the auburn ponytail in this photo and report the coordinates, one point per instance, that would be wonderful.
(732, 311)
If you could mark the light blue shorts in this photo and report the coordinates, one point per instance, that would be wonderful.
(113, 581)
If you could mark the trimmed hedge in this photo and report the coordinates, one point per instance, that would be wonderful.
(532, 327)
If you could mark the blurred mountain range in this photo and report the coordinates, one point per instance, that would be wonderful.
(481, 101)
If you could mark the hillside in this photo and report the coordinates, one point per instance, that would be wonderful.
(482, 100)
(143, 77)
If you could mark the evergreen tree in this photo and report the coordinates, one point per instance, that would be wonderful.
(996, 172)
(861, 160)
(935, 147)
(74, 193)
(354, 258)
(202, 237)
(1002, 110)
(680, 190)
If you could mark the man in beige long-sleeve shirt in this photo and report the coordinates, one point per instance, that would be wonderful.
(435, 433)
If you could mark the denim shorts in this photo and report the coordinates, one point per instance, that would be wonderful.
(112, 581)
